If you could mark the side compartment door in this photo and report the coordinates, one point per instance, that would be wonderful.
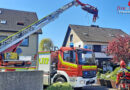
(44, 65)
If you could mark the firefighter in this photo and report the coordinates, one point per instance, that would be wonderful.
(121, 72)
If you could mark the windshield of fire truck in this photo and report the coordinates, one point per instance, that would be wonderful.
(86, 57)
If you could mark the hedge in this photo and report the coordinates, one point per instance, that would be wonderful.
(60, 86)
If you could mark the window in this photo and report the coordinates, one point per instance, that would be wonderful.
(103, 48)
(20, 23)
(122, 35)
(71, 38)
(2, 37)
(25, 42)
(97, 48)
(69, 56)
(79, 46)
(0, 11)
(89, 47)
(3, 21)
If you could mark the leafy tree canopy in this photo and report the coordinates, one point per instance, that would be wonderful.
(120, 48)
(46, 44)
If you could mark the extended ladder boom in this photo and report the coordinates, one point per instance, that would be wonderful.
(27, 31)
(8, 42)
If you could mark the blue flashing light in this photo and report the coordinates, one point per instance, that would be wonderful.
(71, 44)
(85, 73)
(86, 47)
(94, 72)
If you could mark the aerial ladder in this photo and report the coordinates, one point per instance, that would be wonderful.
(10, 43)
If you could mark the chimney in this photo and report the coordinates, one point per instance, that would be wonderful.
(95, 26)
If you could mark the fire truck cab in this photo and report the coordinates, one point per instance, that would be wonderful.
(68, 64)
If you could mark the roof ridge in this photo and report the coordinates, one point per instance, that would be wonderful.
(18, 10)
(94, 27)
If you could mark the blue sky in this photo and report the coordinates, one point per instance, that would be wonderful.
(108, 15)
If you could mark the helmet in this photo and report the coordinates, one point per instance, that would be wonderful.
(122, 64)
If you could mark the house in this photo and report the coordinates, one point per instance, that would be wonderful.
(11, 21)
(94, 37)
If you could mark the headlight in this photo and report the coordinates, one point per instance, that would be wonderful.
(89, 74)
(94, 72)
(82, 82)
(85, 73)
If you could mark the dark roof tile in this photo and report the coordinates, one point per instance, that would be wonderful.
(14, 16)
(95, 34)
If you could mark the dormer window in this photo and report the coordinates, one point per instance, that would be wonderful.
(20, 23)
(122, 35)
(3, 21)
(111, 35)
(86, 34)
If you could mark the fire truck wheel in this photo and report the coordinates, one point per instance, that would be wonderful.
(79, 88)
(19, 65)
(60, 79)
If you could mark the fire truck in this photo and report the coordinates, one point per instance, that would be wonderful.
(68, 64)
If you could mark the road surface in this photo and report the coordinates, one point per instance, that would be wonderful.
(97, 87)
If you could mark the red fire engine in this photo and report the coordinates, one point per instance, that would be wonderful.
(68, 64)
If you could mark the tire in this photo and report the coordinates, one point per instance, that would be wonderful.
(45, 87)
(19, 65)
(79, 88)
(60, 79)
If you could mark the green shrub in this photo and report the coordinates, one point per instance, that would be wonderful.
(60, 86)
(110, 75)
(102, 76)
(100, 70)
(98, 74)
(128, 67)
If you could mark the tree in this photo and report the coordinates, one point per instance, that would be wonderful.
(46, 45)
(119, 48)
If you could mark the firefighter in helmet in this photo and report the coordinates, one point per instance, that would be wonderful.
(122, 72)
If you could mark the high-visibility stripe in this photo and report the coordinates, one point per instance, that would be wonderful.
(43, 52)
(30, 68)
(66, 63)
(89, 67)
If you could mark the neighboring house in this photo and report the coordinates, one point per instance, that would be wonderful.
(11, 21)
(96, 38)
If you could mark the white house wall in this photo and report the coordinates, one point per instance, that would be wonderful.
(80, 43)
(76, 39)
